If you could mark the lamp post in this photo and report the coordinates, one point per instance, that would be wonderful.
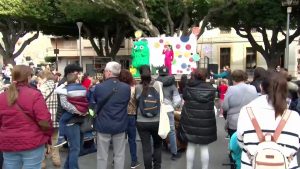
(79, 25)
(288, 4)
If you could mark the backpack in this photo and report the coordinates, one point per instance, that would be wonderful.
(149, 103)
(269, 154)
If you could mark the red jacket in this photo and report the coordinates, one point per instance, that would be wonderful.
(19, 132)
(222, 90)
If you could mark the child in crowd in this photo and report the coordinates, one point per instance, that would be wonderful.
(235, 151)
(222, 89)
(76, 95)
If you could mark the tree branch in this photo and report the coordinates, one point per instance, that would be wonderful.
(91, 39)
(27, 42)
(166, 11)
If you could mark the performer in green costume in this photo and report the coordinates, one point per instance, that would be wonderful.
(140, 56)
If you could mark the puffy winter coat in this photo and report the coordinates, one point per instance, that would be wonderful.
(18, 131)
(197, 117)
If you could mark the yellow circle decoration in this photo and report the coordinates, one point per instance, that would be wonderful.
(156, 45)
(187, 54)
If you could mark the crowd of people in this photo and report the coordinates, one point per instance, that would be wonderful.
(41, 112)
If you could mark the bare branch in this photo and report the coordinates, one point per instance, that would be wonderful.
(27, 42)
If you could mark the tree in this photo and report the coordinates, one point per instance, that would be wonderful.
(108, 26)
(16, 20)
(157, 17)
(260, 15)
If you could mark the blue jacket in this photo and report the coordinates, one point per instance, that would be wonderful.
(112, 118)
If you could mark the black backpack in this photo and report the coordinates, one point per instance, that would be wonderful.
(149, 103)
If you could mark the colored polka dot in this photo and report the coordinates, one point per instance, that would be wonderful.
(161, 41)
(174, 62)
(187, 54)
(184, 38)
(188, 47)
(178, 46)
(189, 65)
(188, 69)
(156, 45)
(191, 59)
(180, 56)
(177, 53)
(183, 65)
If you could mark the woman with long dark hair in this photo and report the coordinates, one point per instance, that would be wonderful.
(198, 117)
(268, 109)
(126, 77)
(25, 125)
(148, 127)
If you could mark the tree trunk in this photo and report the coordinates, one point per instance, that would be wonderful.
(272, 60)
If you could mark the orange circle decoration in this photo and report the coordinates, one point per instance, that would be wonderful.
(187, 54)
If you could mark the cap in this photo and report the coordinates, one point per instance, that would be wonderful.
(163, 71)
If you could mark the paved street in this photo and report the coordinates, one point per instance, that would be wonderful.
(217, 149)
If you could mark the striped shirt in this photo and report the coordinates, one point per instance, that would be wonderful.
(265, 115)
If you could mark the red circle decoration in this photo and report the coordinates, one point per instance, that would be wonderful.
(191, 59)
(161, 41)
(188, 47)
(178, 46)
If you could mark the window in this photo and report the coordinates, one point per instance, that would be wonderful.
(224, 57)
(251, 59)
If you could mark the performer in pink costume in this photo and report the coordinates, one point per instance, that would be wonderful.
(169, 55)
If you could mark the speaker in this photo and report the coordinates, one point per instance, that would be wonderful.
(213, 68)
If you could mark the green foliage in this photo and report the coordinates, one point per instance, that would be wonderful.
(254, 13)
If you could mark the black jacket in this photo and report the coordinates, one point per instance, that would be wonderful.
(198, 119)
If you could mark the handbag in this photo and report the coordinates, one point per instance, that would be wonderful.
(87, 124)
(164, 123)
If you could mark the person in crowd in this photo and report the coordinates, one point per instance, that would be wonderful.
(169, 56)
(25, 123)
(259, 75)
(182, 83)
(86, 81)
(173, 100)
(292, 90)
(71, 68)
(236, 97)
(47, 87)
(76, 95)
(225, 74)
(236, 151)
(148, 127)
(268, 110)
(222, 89)
(112, 97)
(126, 77)
(72, 129)
(198, 109)
(90, 94)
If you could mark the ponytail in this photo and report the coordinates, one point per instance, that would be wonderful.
(12, 94)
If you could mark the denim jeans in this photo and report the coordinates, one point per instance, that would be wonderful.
(65, 117)
(148, 130)
(75, 140)
(1, 160)
(29, 159)
(131, 132)
(172, 134)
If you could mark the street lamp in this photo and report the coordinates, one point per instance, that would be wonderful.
(79, 25)
(288, 4)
